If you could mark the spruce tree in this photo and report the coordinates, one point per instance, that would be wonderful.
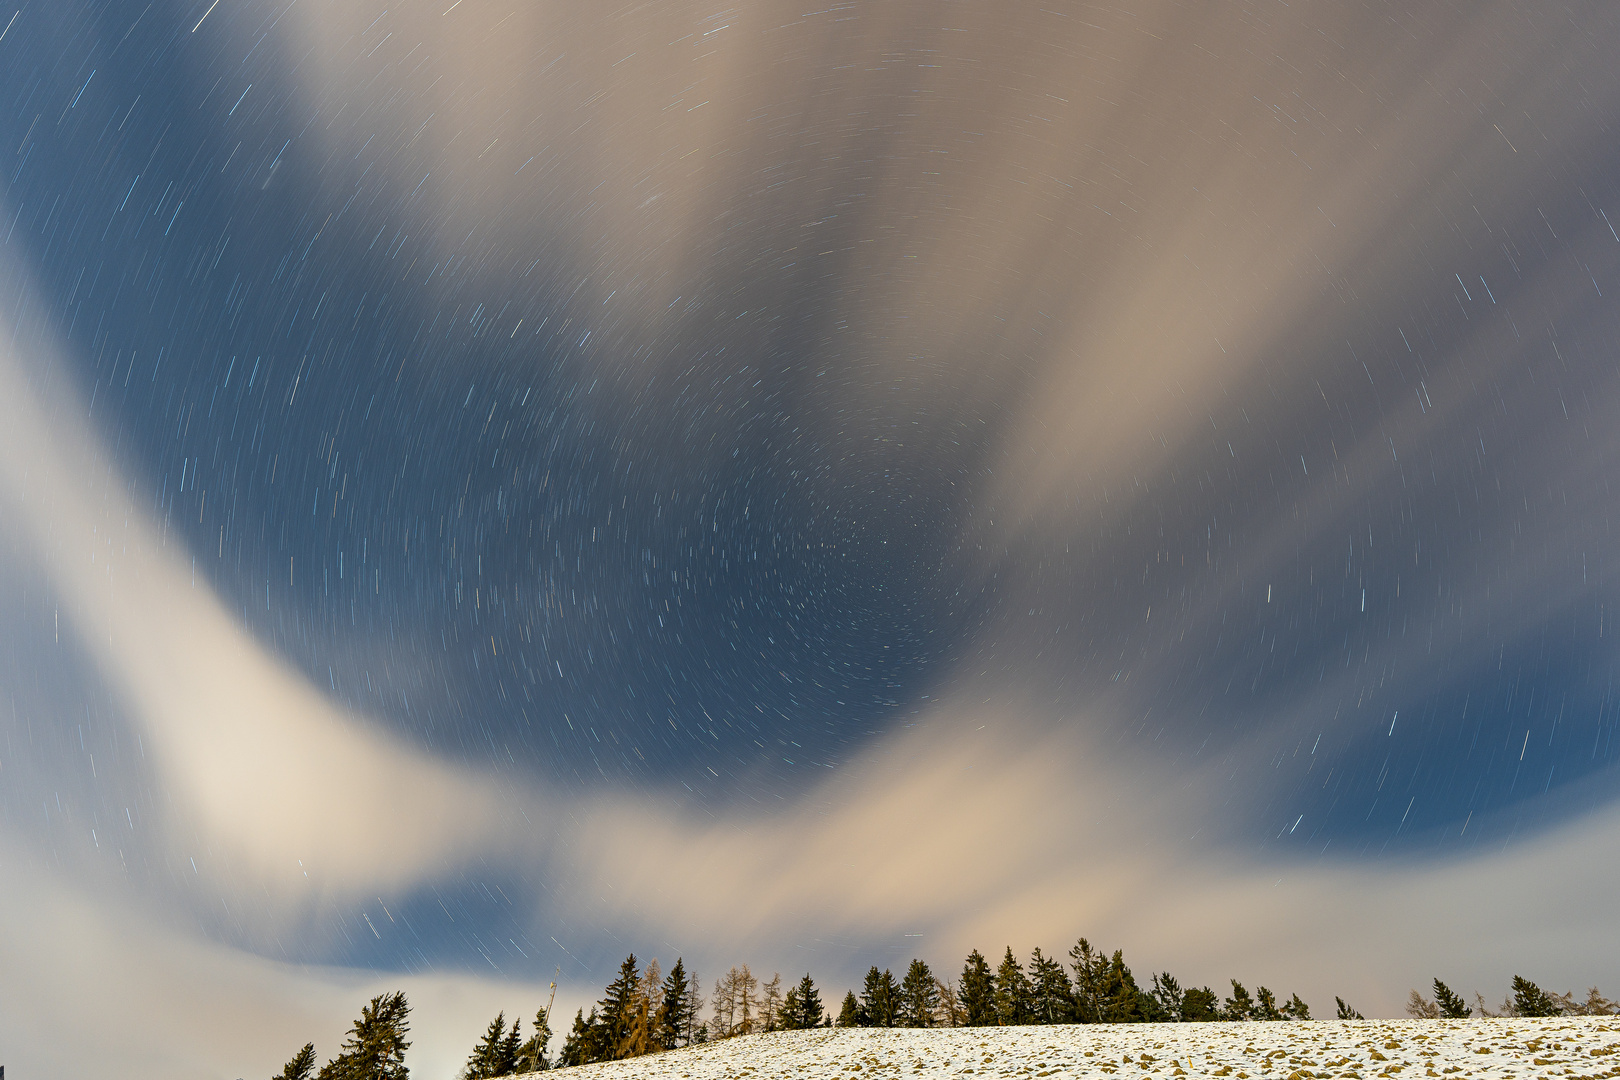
(1240, 1006)
(1123, 1001)
(849, 1015)
(1015, 997)
(919, 996)
(301, 1067)
(672, 1010)
(1200, 1005)
(1296, 1009)
(1167, 992)
(880, 999)
(486, 1060)
(1266, 1007)
(1054, 997)
(531, 1056)
(617, 1004)
(1531, 1000)
(375, 1048)
(1451, 1006)
(584, 1042)
(1347, 1012)
(977, 994)
(1090, 972)
(807, 1011)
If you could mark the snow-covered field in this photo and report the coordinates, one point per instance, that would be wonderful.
(1580, 1046)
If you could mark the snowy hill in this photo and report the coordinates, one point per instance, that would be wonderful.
(1578, 1046)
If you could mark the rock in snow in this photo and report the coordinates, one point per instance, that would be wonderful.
(1573, 1046)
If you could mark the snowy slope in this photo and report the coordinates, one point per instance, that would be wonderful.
(1584, 1046)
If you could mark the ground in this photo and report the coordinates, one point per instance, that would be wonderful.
(1579, 1046)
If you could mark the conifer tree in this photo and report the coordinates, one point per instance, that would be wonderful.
(583, 1043)
(1450, 1005)
(672, 1009)
(1296, 1009)
(1090, 972)
(1123, 1001)
(618, 1005)
(806, 1011)
(1015, 997)
(1240, 1006)
(849, 1014)
(977, 993)
(1347, 1012)
(1167, 992)
(301, 1067)
(1200, 1005)
(1266, 1007)
(880, 998)
(919, 996)
(1531, 1000)
(531, 1056)
(1053, 995)
(492, 1056)
(375, 1048)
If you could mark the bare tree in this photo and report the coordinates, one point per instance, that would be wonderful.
(1421, 1007)
(771, 1003)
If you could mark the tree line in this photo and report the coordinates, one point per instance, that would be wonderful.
(644, 1011)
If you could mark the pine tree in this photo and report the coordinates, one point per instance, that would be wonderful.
(301, 1067)
(1167, 992)
(806, 1011)
(531, 1056)
(1531, 1000)
(919, 996)
(375, 1048)
(1296, 1009)
(849, 1014)
(977, 994)
(672, 1008)
(1200, 1005)
(1053, 996)
(1266, 1007)
(1451, 1006)
(1346, 1012)
(1240, 1006)
(1090, 972)
(1015, 997)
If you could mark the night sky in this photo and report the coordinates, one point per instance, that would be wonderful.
(765, 484)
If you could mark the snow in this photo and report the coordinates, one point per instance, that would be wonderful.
(1576, 1046)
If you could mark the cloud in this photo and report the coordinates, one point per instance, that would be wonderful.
(979, 829)
(94, 986)
(302, 798)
